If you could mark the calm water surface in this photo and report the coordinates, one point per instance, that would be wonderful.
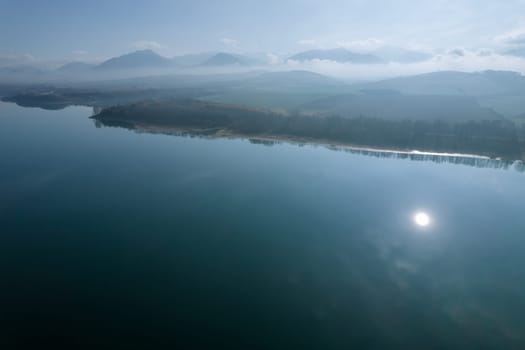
(110, 237)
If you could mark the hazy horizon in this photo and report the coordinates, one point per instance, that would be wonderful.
(451, 35)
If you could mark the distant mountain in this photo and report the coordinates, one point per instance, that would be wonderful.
(137, 59)
(391, 105)
(487, 83)
(502, 91)
(227, 59)
(340, 55)
(191, 59)
(75, 67)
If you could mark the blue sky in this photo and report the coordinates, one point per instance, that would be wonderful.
(97, 28)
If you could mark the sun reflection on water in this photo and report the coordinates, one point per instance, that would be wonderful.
(422, 219)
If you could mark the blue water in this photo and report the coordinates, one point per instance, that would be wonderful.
(110, 237)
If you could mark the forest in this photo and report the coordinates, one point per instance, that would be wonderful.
(494, 138)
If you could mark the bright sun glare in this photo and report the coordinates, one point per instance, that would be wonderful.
(422, 219)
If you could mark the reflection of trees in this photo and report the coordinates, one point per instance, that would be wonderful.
(262, 142)
(478, 162)
(496, 138)
(96, 110)
(519, 166)
(492, 138)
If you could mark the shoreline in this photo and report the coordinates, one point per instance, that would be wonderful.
(225, 133)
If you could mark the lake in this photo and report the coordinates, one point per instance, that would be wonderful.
(115, 238)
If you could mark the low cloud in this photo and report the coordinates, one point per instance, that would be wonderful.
(273, 59)
(484, 52)
(512, 43)
(512, 38)
(229, 42)
(366, 45)
(453, 60)
(459, 52)
(148, 45)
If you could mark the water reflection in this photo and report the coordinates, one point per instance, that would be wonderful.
(422, 219)
(473, 160)
(434, 157)
(283, 247)
(469, 160)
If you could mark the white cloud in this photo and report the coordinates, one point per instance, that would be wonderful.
(229, 42)
(460, 52)
(512, 42)
(484, 52)
(513, 38)
(273, 59)
(366, 45)
(148, 44)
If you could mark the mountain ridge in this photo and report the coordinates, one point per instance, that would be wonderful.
(137, 59)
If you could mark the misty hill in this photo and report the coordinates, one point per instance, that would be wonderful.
(191, 59)
(21, 74)
(227, 59)
(277, 90)
(392, 105)
(487, 83)
(290, 80)
(75, 67)
(340, 55)
(254, 80)
(502, 91)
(137, 59)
